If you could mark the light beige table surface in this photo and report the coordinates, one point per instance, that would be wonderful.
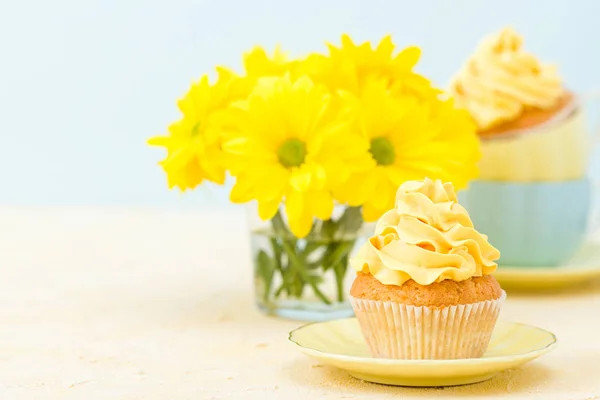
(147, 304)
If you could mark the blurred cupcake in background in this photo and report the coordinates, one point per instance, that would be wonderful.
(532, 197)
(532, 127)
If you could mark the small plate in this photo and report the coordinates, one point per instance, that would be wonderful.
(545, 278)
(584, 267)
(340, 343)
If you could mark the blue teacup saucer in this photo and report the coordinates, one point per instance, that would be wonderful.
(583, 267)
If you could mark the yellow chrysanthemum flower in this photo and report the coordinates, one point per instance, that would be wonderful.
(350, 66)
(257, 63)
(194, 142)
(408, 140)
(293, 142)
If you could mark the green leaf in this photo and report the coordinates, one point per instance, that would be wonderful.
(335, 252)
(277, 251)
(350, 222)
(340, 272)
(310, 247)
(327, 255)
(317, 264)
(315, 278)
(279, 227)
(298, 286)
(299, 267)
(328, 230)
(312, 254)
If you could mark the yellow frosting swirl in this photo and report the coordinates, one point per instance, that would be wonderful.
(501, 80)
(427, 237)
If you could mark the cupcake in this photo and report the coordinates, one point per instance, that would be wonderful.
(423, 288)
(510, 94)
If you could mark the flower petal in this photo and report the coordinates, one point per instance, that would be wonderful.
(240, 193)
(409, 57)
(294, 205)
(159, 141)
(268, 208)
(302, 226)
(371, 213)
(320, 204)
(301, 179)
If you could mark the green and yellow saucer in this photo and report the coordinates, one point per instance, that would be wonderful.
(340, 343)
(582, 268)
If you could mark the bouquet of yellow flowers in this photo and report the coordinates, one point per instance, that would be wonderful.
(304, 136)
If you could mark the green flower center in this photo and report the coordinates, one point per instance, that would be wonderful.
(382, 150)
(292, 153)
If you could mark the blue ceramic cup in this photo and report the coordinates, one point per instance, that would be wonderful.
(532, 224)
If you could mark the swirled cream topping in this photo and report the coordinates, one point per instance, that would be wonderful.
(501, 80)
(427, 237)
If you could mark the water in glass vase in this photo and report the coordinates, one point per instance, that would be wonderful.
(307, 278)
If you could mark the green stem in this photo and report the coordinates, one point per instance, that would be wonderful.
(293, 263)
(265, 270)
(267, 290)
(276, 253)
(279, 290)
(340, 273)
(341, 250)
(278, 263)
(337, 260)
(269, 284)
(296, 264)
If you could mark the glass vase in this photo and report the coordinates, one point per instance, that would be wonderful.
(306, 278)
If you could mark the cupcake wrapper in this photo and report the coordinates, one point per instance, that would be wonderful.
(396, 330)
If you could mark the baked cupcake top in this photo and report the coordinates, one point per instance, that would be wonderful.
(500, 81)
(428, 237)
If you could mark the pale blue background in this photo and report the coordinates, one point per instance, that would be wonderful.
(84, 83)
